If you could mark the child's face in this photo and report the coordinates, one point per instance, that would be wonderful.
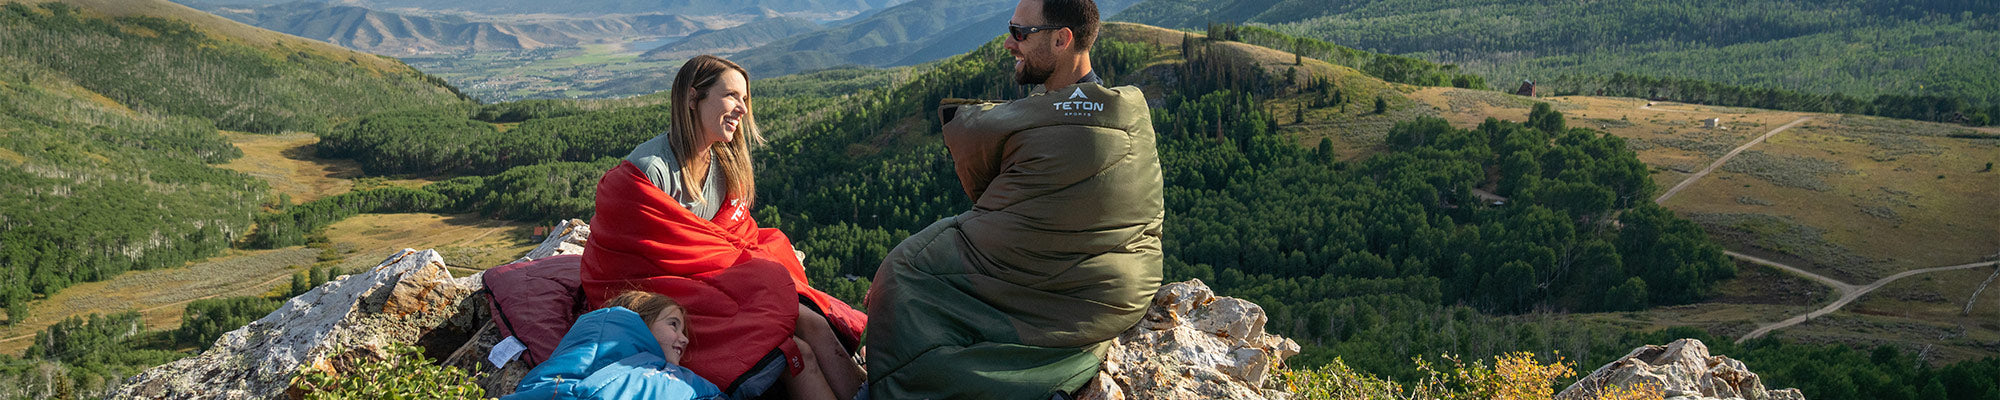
(671, 330)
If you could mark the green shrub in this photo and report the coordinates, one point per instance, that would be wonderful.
(404, 374)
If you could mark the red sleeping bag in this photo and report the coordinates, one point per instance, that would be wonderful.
(741, 285)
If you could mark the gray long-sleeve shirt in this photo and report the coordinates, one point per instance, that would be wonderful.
(664, 169)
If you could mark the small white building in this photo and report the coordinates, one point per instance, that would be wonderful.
(1712, 123)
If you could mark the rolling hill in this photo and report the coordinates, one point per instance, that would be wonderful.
(1861, 48)
(733, 39)
(404, 35)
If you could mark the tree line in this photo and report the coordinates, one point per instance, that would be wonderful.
(1859, 48)
(1922, 108)
(452, 142)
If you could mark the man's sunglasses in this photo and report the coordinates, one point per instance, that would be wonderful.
(1021, 32)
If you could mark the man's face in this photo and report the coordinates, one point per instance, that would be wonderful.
(1035, 55)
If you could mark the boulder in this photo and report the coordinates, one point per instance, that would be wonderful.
(1193, 344)
(566, 238)
(1682, 370)
(408, 298)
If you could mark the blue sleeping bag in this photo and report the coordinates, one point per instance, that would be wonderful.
(610, 354)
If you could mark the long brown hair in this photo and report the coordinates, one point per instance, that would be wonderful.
(690, 87)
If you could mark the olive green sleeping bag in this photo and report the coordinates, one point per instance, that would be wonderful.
(1060, 253)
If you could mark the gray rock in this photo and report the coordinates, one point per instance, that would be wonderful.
(1681, 370)
(1193, 345)
(566, 238)
(409, 298)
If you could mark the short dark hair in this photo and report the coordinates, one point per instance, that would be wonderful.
(1079, 15)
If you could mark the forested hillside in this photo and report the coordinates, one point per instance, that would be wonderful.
(1857, 48)
(111, 127)
(1259, 216)
(167, 66)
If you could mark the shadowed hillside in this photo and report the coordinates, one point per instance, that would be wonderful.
(733, 39)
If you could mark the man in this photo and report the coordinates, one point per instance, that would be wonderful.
(1018, 297)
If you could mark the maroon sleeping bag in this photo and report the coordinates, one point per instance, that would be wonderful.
(536, 302)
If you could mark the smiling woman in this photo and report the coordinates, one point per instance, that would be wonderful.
(673, 218)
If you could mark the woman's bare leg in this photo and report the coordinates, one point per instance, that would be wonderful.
(809, 383)
(842, 374)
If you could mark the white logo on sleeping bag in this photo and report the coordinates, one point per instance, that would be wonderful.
(1076, 108)
(738, 214)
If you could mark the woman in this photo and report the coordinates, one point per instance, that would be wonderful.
(673, 218)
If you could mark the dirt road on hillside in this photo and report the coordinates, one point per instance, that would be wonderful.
(1725, 158)
(1848, 292)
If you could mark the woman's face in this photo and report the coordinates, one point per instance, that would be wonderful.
(724, 107)
(671, 330)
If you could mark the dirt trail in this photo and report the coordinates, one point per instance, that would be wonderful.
(1725, 158)
(1849, 293)
(1649, 107)
(1838, 286)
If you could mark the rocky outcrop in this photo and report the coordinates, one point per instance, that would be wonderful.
(1193, 345)
(1682, 370)
(408, 299)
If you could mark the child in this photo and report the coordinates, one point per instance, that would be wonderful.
(630, 349)
(606, 356)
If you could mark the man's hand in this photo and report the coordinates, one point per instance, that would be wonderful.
(948, 108)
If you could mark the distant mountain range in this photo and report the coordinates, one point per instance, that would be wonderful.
(915, 32)
(733, 39)
(405, 35)
(599, 7)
